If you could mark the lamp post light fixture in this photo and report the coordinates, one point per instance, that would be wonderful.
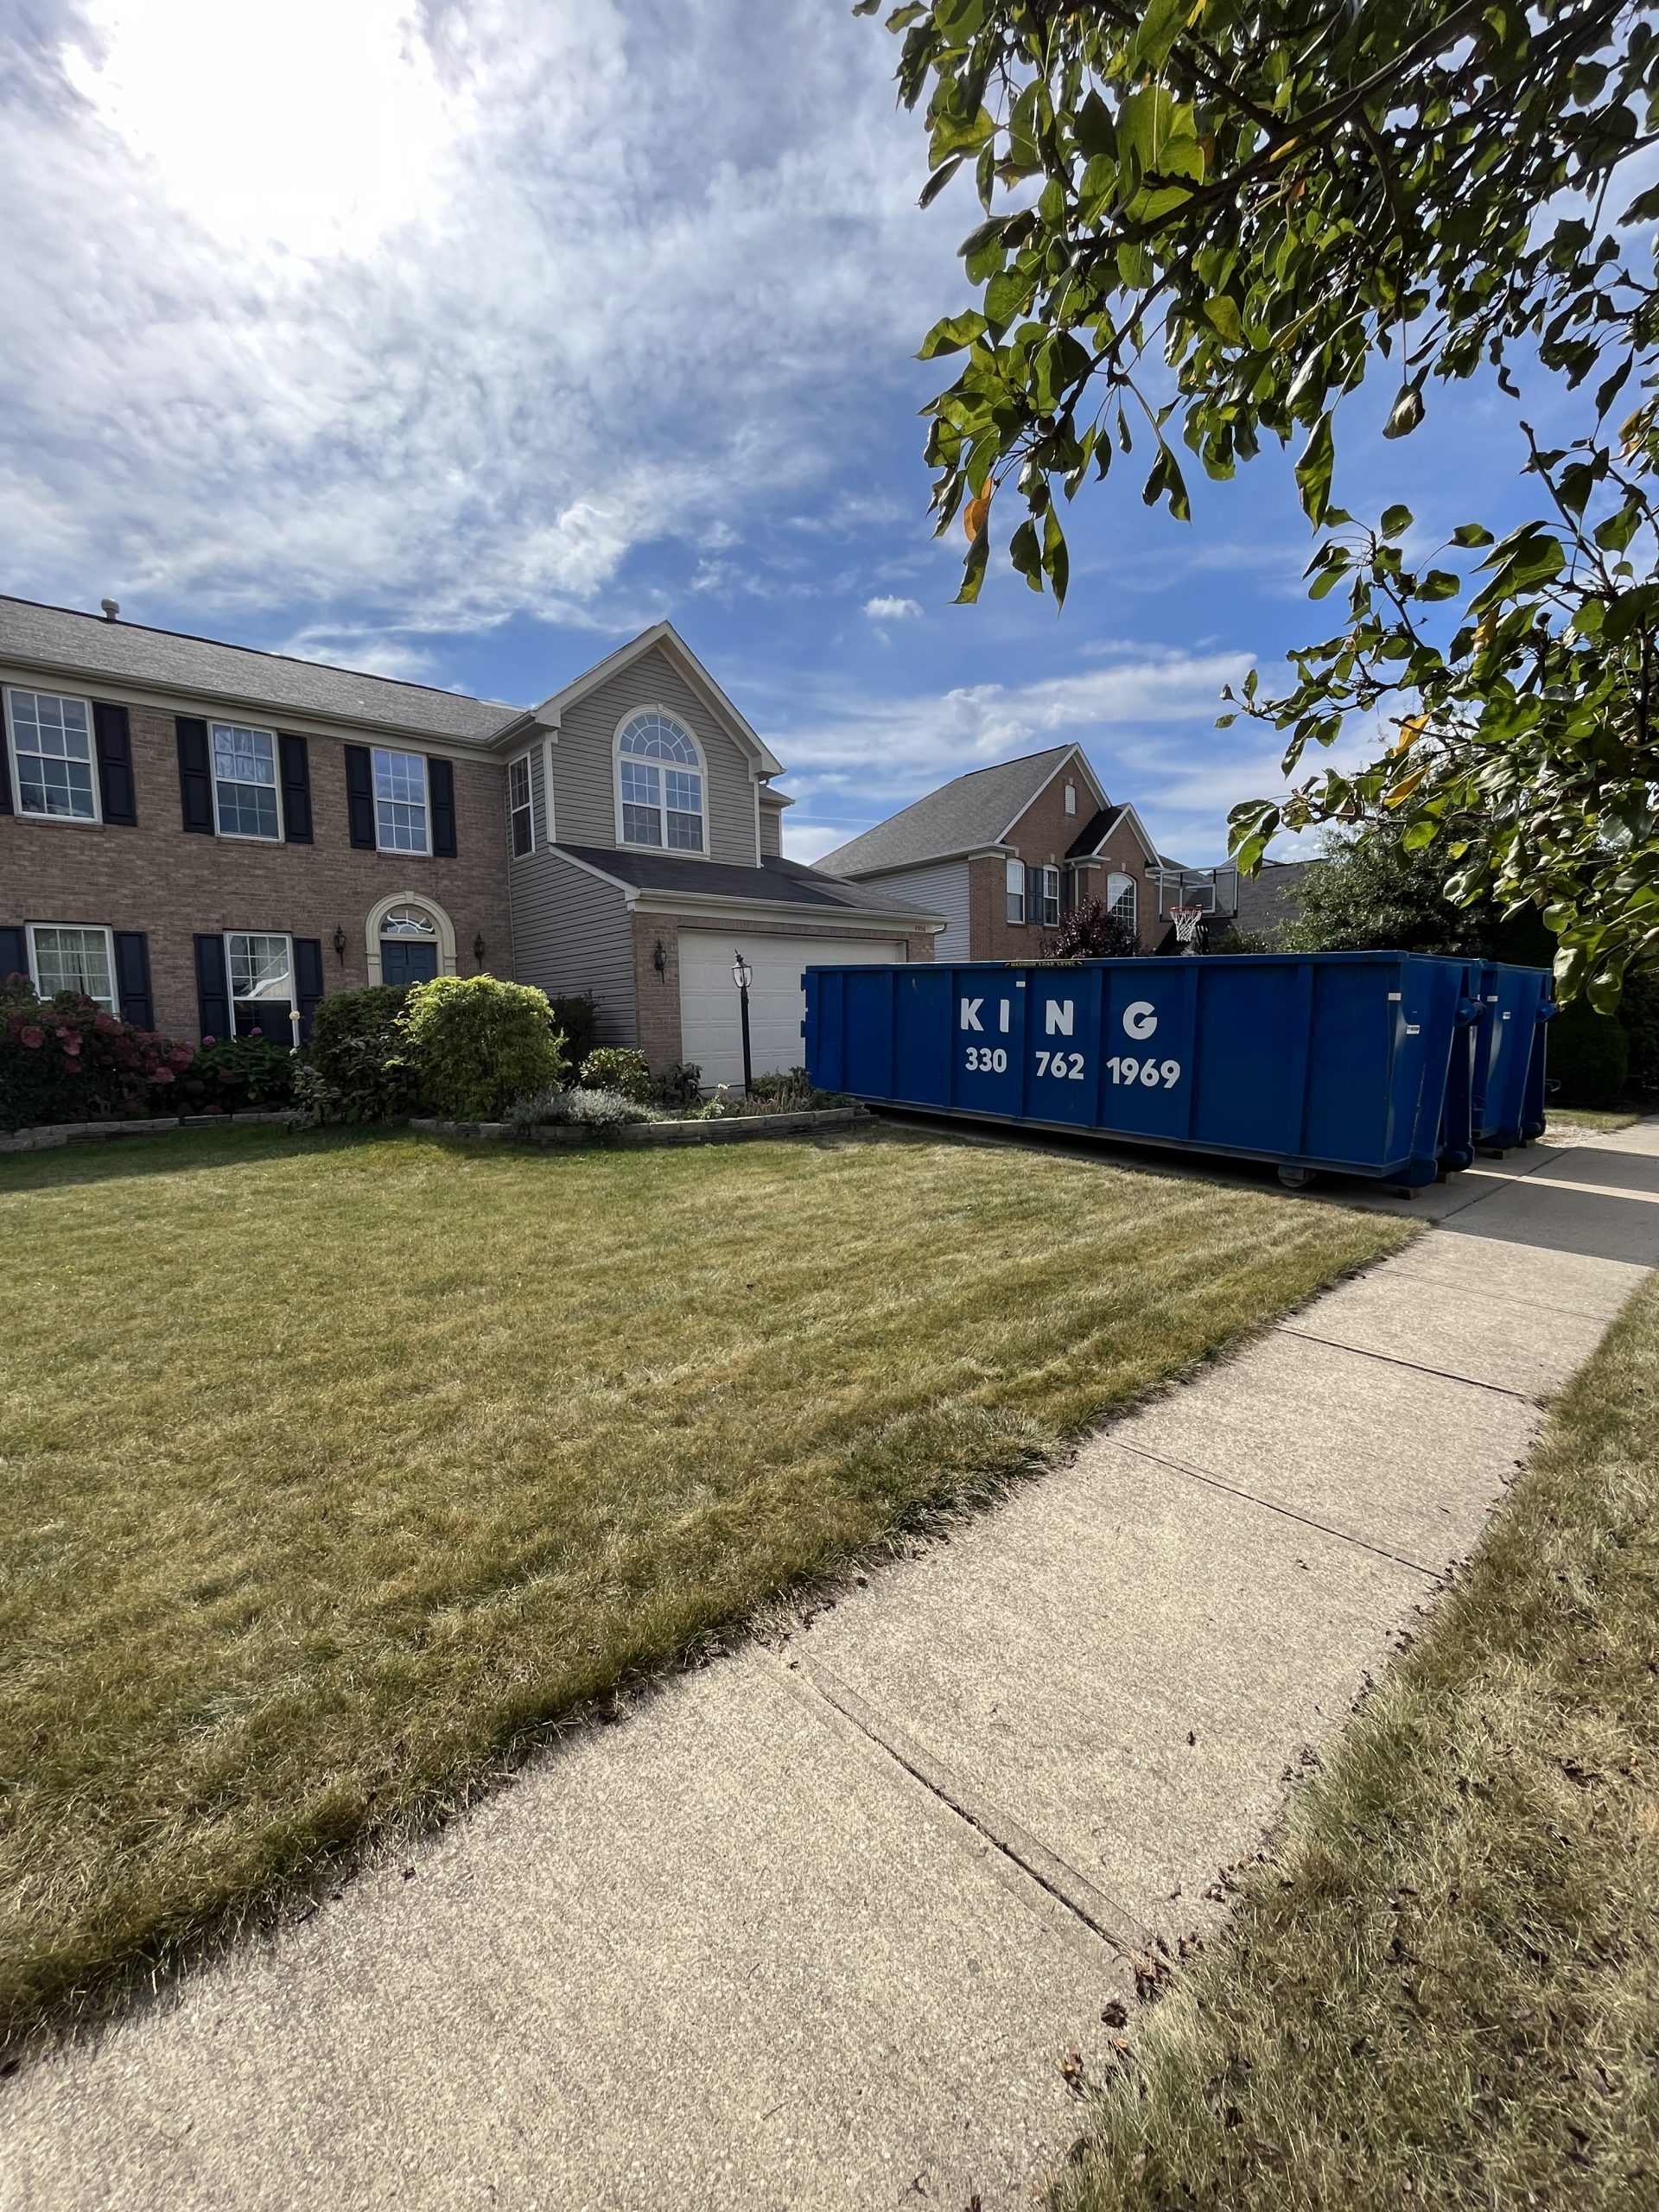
(743, 976)
(340, 944)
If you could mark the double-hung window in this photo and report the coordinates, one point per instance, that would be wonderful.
(260, 967)
(400, 805)
(660, 782)
(245, 782)
(52, 747)
(1048, 897)
(1016, 883)
(73, 960)
(519, 812)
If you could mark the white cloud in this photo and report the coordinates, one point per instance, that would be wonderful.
(892, 610)
(440, 312)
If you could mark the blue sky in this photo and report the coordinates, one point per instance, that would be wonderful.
(462, 341)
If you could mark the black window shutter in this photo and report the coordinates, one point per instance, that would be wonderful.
(195, 777)
(1033, 894)
(132, 978)
(113, 742)
(5, 760)
(307, 975)
(14, 954)
(296, 787)
(359, 795)
(212, 988)
(440, 782)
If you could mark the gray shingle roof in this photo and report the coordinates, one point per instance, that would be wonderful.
(960, 817)
(60, 639)
(775, 879)
(1096, 834)
(1269, 900)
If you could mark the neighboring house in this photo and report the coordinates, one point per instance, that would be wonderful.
(1003, 852)
(208, 839)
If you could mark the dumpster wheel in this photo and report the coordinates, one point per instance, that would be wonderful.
(1295, 1178)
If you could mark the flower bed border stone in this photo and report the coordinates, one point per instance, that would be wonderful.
(47, 1135)
(730, 1128)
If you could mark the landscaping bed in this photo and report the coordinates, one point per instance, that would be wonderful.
(338, 1466)
(1442, 1987)
(727, 1129)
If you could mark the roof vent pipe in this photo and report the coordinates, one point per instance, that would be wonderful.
(112, 607)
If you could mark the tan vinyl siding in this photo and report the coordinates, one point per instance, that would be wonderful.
(771, 831)
(571, 933)
(584, 775)
(939, 888)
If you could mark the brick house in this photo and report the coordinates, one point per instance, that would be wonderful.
(1003, 852)
(209, 839)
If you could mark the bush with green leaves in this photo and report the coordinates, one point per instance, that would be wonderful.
(1589, 1059)
(477, 1046)
(593, 1110)
(359, 1068)
(614, 1067)
(1638, 1012)
(239, 1074)
(576, 1018)
(66, 1059)
(680, 1087)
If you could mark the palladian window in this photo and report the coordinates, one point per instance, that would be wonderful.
(660, 784)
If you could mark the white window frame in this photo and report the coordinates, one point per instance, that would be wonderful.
(87, 929)
(378, 752)
(14, 766)
(254, 729)
(293, 980)
(674, 852)
(1127, 888)
(514, 810)
(1015, 880)
(1050, 896)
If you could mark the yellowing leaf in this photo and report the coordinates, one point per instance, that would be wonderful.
(1401, 793)
(1410, 730)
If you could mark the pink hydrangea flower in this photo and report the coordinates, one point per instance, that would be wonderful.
(32, 1037)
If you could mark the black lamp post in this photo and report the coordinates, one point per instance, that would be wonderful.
(743, 976)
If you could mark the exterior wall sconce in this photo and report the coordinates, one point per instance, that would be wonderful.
(340, 944)
(659, 958)
(478, 948)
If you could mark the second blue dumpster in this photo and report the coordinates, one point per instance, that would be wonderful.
(1354, 1062)
(1516, 1004)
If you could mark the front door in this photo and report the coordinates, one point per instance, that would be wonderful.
(407, 960)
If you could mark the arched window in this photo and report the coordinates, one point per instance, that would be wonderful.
(408, 945)
(660, 787)
(1120, 898)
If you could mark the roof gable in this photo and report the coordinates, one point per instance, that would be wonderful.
(553, 710)
(1095, 834)
(968, 814)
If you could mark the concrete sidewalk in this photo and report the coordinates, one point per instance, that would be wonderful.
(817, 1926)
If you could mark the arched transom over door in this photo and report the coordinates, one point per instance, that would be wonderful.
(410, 940)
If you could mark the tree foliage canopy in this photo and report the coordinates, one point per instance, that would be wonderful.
(1205, 221)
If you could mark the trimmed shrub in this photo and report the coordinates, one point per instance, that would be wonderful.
(1638, 1010)
(477, 1046)
(1589, 1058)
(577, 1020)
(359, 1070)
(613, 1068)
(64, 1060)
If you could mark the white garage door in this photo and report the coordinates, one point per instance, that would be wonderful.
(711, 1030)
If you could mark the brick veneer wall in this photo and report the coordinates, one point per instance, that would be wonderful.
(1040, 839)
(171, 884)
(657, 997)
(1122, 856)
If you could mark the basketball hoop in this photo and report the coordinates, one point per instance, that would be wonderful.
(1189, 923)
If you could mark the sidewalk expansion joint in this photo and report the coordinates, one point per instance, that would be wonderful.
(1099, 1914)
(1415, 1366)
(1271, 1505)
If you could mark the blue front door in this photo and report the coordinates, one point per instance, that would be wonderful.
(406, 960)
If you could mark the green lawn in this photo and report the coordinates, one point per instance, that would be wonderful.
(1443, 1989)
(332, 1467)
(1604, 1120)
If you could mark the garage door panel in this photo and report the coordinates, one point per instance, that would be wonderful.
(710, 1024)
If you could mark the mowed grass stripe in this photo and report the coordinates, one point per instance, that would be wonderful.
(332, 1467)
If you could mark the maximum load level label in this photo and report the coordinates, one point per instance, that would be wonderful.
(1057, 1062)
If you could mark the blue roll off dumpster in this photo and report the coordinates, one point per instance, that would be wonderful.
(1356, 1062)
(1516, 1003)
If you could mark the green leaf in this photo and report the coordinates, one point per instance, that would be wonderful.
(1395, 521)
(939, 179)
(952, 335)
(1471, 533)
(1027, 555)
(1423, 831)
(1160, 26)
(973, 570)
(1222, 312)
(1057, 562)
(1313, 472)
(1406, 413)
